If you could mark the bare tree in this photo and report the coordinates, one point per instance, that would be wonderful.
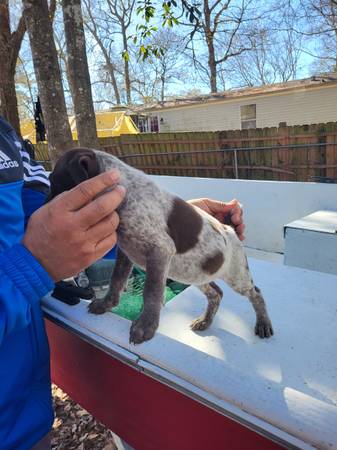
(274, 57)
(113, 19)
(318, 23)
(10, 43)
(121, 15)
(153, 77)
(48, 76)
(24, 89)
(78, 72)
(61, 49)
(102, 35)
(221, 26)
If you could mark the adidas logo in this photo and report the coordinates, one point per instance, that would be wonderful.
(6, 162)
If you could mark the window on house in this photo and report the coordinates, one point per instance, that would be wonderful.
(142, 124)
(154, 125)
(248, 116)
(147, 124)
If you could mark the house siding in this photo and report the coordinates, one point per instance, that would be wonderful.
(298, 107)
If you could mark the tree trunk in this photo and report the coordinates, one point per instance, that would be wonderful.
(212, 68)
(126, 68)
(111, 70)
(162, 90)
(10, 44)
(8, 101)
(48, 76)
(79, 77)
(210, 45)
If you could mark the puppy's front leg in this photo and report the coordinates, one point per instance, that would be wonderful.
(157, 264)
(118, 281)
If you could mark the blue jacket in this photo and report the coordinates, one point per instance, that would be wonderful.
(26, 413)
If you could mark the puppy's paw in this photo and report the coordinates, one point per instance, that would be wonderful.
(264, 328)
(142, 330)
(98, 306)
(200, 324)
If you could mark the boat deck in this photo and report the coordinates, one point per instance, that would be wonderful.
(285, 386)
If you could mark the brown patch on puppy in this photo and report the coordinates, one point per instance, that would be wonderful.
(213, 263)
(73, 167)
(184, 225)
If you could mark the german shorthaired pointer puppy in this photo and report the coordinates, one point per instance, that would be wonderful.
(168, 238)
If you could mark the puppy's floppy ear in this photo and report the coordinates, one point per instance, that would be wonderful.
(83, 166)
(73, 167)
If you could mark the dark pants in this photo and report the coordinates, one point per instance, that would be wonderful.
(43, 444)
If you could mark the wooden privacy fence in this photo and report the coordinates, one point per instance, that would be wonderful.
(298, 153)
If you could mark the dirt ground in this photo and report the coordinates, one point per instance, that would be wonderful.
(75, 429)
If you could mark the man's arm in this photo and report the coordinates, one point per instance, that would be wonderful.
(36, 184)
(62, 237)
(23, 282)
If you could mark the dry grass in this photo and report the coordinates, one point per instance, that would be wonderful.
(75, 429)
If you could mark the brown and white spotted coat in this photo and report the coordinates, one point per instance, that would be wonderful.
(167, 237)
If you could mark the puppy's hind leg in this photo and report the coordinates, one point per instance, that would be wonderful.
(240, 280)
(214, 296)
(118, 281)
(263, 327)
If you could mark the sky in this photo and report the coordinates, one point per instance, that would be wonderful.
(179, 87)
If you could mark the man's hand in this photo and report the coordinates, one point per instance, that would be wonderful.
(230, 212)
(76, 228)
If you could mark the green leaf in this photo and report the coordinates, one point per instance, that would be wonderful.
(126, 55)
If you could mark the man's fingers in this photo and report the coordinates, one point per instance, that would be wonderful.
(226, 206)
(104, 228)
(236, 218)
(240, 228)
(105, 245)
(101, 207)
(216, 206)
(220, 217)
(85, 192)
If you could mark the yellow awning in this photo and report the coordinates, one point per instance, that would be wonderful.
(28, 130)
(109, 123)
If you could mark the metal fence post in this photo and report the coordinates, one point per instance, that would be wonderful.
(236, 163)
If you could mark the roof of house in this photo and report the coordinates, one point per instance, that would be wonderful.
(314, 81)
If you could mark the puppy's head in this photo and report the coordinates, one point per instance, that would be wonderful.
(73, 167)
